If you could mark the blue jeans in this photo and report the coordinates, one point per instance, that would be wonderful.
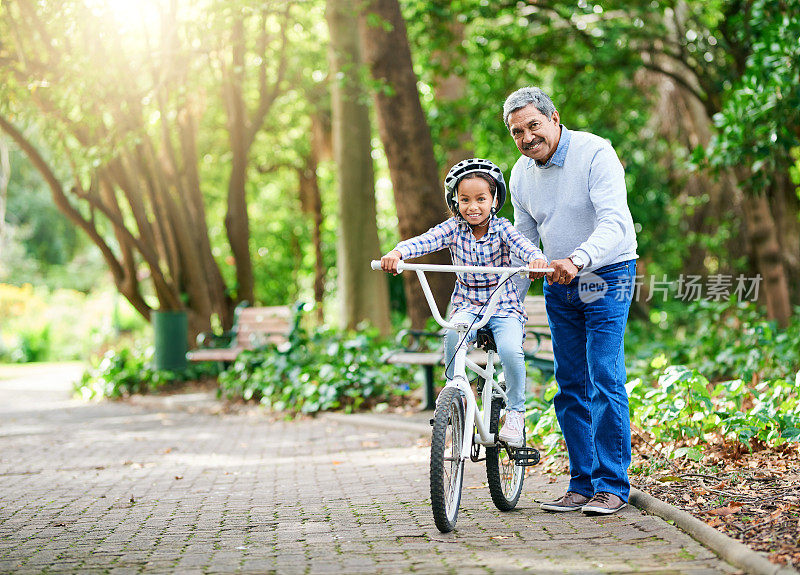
(507, 333)
(587, 321)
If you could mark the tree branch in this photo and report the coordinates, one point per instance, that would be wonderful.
(267, 97)
(59, 197)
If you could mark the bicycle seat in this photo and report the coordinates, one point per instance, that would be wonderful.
(485, 339)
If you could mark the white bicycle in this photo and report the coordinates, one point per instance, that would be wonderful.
(460, 427)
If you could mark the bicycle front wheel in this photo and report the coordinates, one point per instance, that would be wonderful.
(447, 467)
(504, 476)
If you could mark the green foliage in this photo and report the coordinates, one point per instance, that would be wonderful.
(700, 371)
(39, 244)
(676, 403)
(543, 430)
(102, 99)
(722, 340)
(33, 345)
(129, 370)
(590, 62)
(750, 365)
(39, 324)
(322, 370)
(758, 125)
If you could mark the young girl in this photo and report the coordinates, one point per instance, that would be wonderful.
(474, 191)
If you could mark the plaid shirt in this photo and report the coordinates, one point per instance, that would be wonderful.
(493, 249)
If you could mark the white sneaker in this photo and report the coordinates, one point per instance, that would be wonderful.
(513, 431)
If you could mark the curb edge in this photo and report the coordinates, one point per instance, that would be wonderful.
(734, 552)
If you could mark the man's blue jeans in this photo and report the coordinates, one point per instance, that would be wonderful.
(507, 333)
(587, 321)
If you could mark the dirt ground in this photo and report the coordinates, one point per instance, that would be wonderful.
(750, 496)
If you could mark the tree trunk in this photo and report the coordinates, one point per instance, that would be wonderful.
(145, 195)
(785, 206)
(363, 292)
(450, 90)
(762, 231)
(237, 221)
(770, 224)
(311, 203)
(407, 141)
(5, 177)
(681, 118)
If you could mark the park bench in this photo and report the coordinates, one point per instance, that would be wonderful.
(253, 327)
(538, 348)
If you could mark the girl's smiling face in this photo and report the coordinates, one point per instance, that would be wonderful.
(475, 200)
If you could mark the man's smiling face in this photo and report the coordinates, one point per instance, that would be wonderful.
(535, 134)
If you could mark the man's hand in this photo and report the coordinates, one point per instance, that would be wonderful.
(534, 264)
(389, 262)
(564, 271)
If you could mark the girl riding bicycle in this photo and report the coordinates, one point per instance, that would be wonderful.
(474, 191)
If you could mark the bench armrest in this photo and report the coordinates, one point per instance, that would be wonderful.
(211, 340)
(539, 336)
(413, 339)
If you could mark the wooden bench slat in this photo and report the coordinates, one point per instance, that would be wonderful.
(268, 311)
(414, 358)
(254, 327)
(535, 347)
(222, 354)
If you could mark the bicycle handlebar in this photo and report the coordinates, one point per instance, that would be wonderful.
(490, 306)
(376, 265)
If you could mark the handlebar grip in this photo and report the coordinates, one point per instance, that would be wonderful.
(376, 265)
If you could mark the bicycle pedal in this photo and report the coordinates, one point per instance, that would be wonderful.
(526, 456)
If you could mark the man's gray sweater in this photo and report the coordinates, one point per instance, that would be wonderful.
(576, 203)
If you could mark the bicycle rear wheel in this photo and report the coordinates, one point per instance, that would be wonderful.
(504, 476)
(447, 467)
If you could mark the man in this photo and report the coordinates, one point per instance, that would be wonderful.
(568, 190)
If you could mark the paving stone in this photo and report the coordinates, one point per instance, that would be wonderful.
(92, 488)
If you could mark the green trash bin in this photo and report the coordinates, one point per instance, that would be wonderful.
(171, 329)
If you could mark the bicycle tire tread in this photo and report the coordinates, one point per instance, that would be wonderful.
(438, 438)
(493, 478)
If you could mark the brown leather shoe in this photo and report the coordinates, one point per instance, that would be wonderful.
(571, 501)
(603, 504)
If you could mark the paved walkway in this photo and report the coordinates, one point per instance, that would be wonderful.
(164, 486)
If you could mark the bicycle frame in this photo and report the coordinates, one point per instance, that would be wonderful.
(474, 416)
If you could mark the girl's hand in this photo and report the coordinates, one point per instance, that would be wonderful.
(534, 264)
(389, 262)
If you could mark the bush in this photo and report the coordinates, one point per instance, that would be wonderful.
(677, 403)
(723, 341)
(317, 371)
(129, 370)
(700, 373)
(62, 324)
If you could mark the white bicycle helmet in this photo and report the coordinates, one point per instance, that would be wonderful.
(471, 166)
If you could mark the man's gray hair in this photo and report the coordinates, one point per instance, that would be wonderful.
(525, 97)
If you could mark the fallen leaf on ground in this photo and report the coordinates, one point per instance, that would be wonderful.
(730, 509)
